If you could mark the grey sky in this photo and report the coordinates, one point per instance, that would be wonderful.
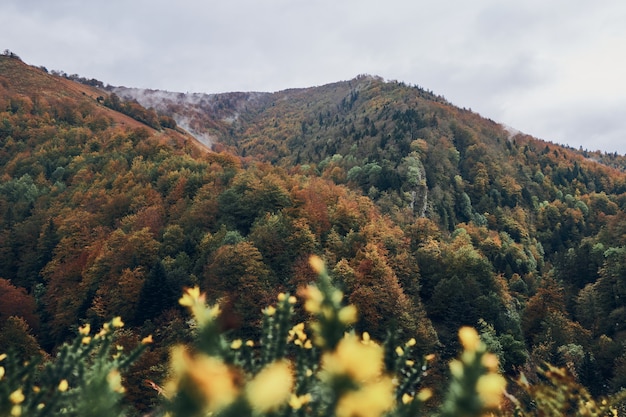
(550, 68)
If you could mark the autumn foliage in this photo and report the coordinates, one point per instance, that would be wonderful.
(430, 218)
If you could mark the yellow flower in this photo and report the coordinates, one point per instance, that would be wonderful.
(63, 385)
(84, 330)
(114, 378)
(425, 394)
(366, 338)
(456, 368)
(271, 387)
(297, 331)
(313, 298)
(196, 302)
(399, 351)
(250, 343)
(406, 398)
(16, 410)
(1, 372)
(147, 340)
(292, 299)
(308, 345)
(282, 296)
(213, 312)
(490, 388)
(3, 357)
(372, 400)
(469, 338)
(348, 314)
(328, 312)
(490, 361)
(236, 344)
(17, 397)
(211, 377)
(269, 311)
(296, 402)
(215, 381)
(317, 264)
(86, 340)
(117, 322)
(409, 362)
(190, 297)
(362, 362)
(411, 342)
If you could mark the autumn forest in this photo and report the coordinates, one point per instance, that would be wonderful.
(428, 216)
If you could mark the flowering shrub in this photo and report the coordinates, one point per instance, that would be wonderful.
(318, 368)
(83, 380)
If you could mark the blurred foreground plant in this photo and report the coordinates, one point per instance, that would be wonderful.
(320, 368)
(83, 379)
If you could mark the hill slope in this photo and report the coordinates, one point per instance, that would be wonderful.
(429, 216)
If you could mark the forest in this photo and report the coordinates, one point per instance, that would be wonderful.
(428, 217)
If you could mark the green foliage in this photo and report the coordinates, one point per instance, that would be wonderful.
(84, 378)
(430, 217)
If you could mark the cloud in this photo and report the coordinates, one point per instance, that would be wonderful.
(518, 63)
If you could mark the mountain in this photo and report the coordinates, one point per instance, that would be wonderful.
(401, 145)
(429, 216)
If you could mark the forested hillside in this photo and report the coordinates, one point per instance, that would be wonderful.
(429, 218)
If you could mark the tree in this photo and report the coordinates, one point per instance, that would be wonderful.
(238, 275)
(158, 294)
(16, 338)
(381, 302)
(16, 302)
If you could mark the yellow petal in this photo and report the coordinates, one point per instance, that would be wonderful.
(17, 396)
(271, 387)
(85, 330)
(490, 388)
(63, 385)
(348, 314)
(361, 362)
(469, 338)
(372, 400)
(424, 394)
(317, 264)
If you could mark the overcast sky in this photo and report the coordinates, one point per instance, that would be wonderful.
(550, 68)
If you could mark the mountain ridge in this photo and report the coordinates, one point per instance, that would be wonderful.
(196, 119)
(429, 217)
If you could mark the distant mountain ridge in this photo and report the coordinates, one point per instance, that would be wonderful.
(210, 117)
